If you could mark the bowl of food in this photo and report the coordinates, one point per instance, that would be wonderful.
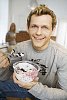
(26, 71)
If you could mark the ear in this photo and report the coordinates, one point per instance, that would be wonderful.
(27, 29)
(53, 31)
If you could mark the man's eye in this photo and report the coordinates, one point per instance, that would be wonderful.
(33, 26)
(44, 27)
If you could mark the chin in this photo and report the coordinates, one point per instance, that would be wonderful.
(40, 44)
(37, 45)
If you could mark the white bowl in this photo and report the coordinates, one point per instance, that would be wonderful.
(26, 71)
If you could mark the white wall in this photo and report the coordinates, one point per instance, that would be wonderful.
(3, 19)
(20, 10)
(62, 33)
(58, 6)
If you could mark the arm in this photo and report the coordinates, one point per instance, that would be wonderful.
(44, 92)
(6, 63)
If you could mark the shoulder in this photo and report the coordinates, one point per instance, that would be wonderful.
(58, 48)
(28, 42)
(23, 44)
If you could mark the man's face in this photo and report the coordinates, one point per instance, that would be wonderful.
(40, 30)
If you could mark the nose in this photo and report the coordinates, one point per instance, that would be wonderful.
(39, 31)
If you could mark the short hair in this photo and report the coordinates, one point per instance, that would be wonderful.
(42, 10)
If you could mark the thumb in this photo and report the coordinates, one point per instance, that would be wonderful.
(36, 79)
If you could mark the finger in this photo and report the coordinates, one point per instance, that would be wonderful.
(17, 81)
(28, 85)
(2, 57)
(1, 53)
(4, 62)
(14, 78)
(36, 79)
(23, 84)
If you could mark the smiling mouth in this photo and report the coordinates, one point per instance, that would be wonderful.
(39, 38)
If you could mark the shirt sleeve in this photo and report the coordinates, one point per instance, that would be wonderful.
(45, 93)
(5, 73)
(60, 93)
(62, 72)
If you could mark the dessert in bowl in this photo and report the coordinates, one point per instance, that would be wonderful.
(26, 71)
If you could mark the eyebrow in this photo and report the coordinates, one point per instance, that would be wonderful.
(34, 25)
(38, 26)
(44, 26)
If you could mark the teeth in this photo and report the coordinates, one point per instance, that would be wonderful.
(39, 38)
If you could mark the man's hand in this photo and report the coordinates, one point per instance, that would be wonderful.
(24, 85)
(4, 62)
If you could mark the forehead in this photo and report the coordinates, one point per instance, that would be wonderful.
(41, 20)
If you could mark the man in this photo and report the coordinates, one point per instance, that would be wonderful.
(52, 83)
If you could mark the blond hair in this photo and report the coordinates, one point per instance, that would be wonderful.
(42, 10)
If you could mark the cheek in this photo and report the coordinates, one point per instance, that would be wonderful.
(30, 34)
(48, 34)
